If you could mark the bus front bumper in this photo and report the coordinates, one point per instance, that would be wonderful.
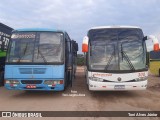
(43, 87)
(123, 86)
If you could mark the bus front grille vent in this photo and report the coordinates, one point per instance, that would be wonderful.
(32, 70)
(31, 81)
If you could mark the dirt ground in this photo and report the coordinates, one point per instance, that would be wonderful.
(148, 100)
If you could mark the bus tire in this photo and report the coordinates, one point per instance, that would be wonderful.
(87, 86)
(65, 80)
(2, 78)
(68, 77)
(71, 77)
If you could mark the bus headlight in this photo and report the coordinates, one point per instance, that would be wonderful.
(49, 82)
(12, 82)
(96, 79)
(53, 82)
(141, 79)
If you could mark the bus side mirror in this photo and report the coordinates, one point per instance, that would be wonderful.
(156, 46)
(76, 46)
(85, 44)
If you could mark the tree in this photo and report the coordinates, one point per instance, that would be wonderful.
(80, 59)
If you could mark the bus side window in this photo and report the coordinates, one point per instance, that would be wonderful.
(66, 50)
(69, 46)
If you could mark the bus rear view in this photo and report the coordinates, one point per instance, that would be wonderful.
(36, 60)
(116, 58)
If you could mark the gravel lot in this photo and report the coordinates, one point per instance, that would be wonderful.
(92, 101)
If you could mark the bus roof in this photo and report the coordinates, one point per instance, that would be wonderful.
(116, 26)
(39, 29)
(5, 26)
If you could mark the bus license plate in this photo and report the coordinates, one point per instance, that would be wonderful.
(31, 86)
(119, 87)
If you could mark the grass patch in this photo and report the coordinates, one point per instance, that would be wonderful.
(154, 67)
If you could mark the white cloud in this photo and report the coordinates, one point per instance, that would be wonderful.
(76, 17)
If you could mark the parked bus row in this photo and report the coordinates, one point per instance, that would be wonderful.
(45, 59)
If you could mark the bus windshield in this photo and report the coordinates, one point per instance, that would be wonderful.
(116, 49)
(35, 47)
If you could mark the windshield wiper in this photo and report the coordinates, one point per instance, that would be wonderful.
(110, 59)
(39, 52)
(24, 52)
(123, 54)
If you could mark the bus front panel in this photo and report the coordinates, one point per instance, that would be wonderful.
(34, 77)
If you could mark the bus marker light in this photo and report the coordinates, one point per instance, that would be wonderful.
(61, 81)
(85, 44)
(104, 86)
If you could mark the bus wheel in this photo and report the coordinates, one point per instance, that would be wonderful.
(71, 77)
(85, 76)
(2, 78)
(87, 84)
(66, 80)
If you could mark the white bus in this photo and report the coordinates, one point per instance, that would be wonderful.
(116, 58)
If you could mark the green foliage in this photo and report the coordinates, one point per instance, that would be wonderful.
(2, 53)
(80, 60)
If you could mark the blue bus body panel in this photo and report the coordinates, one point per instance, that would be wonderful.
(38, 30)
(35, 72)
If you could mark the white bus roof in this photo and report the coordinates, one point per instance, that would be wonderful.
(116, 26)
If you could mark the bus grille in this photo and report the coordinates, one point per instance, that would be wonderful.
(32, 70)
(120, 81)
(31, 81)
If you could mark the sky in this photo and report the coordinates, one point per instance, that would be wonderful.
(78, 16)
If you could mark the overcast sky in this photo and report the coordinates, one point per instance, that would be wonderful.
(77, 16)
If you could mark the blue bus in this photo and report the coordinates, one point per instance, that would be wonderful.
(40, 59)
